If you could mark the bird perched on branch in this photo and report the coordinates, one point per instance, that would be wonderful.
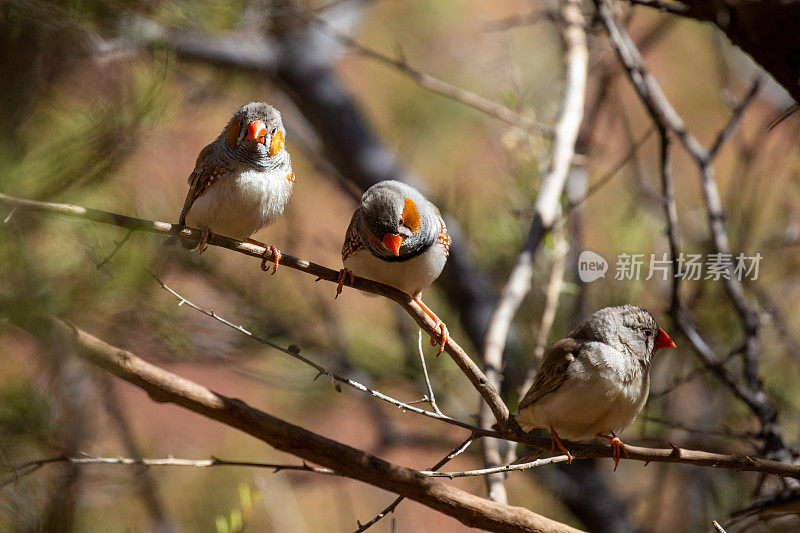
(399, 238)
(596, 380)
(241, 181)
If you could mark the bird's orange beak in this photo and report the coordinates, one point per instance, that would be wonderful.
(663, 340)
(257, 131)
(393, 242)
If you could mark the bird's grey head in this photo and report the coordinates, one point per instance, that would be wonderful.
(628, 328)
(255, 134)
(397, 222)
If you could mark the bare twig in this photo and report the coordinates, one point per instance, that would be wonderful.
(434, 84)
(117, 246)
(294, 351)
(86, 459)
(431, 398)
(455, 452)
(498, 469)
(663, 5)
(718, 527)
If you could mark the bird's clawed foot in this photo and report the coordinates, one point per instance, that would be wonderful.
(205, 236)
(617, 447)
(264, 258)
(555, 441)
(343, 275)
(276, 254)
(444, 333)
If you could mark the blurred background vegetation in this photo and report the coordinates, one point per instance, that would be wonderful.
(98, 108)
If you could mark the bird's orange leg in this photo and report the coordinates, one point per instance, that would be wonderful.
(444, 333)
(617, 447)
(555, 441)
(206, 236)
(264, 258)
(343, 274)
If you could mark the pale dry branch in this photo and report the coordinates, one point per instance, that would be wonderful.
(546, 210)
(31, 466)
(430, 396)
(516, 467)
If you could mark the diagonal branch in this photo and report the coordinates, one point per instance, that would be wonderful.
(459, 356)
(164, 386)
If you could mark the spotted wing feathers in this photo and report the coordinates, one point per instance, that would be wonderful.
(352, 240)
(207, 171)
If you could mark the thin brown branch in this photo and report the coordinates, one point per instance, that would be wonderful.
(455, 452)
(436, 85)
(459, 356)
(164, 386)
(294, 351)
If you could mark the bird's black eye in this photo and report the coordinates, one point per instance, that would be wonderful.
(648, 333)
(400, 222)
(273, 131)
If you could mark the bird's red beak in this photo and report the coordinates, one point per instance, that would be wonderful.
(392, 242)
(663, 340)
(257, 131)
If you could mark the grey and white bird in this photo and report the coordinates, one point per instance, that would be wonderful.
(596, 380)
(242, 180)
(397, 237)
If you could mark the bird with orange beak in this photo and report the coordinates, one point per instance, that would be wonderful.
(242, 180)
(397, 237)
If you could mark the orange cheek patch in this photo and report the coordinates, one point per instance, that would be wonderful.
(276, 145)
(233, 133)
(411, 216)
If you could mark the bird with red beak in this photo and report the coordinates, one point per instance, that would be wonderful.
(397, 237)
(242, 180)
(596, 380)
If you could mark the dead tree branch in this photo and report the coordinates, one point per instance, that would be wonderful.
(164, 386)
